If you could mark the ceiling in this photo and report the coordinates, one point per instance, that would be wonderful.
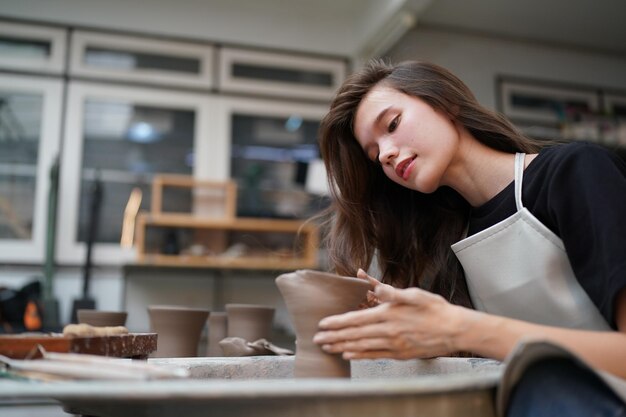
(353, 28)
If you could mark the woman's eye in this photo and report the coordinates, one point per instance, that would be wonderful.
(394, 124)
(374, 157)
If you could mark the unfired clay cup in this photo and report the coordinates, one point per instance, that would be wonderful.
(218, 322)
(178, 330)
(250, 321)
(101, 318)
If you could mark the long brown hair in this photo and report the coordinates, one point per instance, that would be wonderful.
(408, 232)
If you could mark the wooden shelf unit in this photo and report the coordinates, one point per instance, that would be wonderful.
(306, 257)
(212, 226)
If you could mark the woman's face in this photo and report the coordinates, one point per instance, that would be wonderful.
(413, 143)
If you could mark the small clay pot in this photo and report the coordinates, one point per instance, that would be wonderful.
(310, 296)
(101, 318)
(250, 322)
(218, 330)
(178, 330)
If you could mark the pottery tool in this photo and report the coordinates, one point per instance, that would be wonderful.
(130, 216)
(50, 304)
(81, 366)
(86, 302)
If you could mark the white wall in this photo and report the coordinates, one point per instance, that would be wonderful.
(478, 60)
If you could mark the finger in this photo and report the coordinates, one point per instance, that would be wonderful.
(372, 354)
(360, 345)
(385, 354)
(414, 296)
(352, 318)
(372, 300)
(360, 273)
(364, 275)
(352, 333)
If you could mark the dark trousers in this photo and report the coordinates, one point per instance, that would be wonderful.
(561, 387)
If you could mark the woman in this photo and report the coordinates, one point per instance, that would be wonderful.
(416, 165)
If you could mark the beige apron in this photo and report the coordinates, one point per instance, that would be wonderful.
(518, 268)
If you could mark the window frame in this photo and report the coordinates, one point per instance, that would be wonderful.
(33, 250)
(58, 41)
(72, 251)
(228, 56)
(82, 39)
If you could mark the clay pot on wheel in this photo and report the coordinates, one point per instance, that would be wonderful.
(217, 331)
(249, 321)
(101, 318)
(178, 330)
(310, 296)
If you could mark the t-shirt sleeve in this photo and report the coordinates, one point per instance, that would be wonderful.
(587, 203)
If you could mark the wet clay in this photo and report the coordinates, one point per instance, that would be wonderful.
(310, 296)
(236, 346)
(178, 330)
(249, 321)
(87, 330)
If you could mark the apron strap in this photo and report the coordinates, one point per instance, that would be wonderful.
(519, 175)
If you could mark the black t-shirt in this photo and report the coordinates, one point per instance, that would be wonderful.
(578, 191)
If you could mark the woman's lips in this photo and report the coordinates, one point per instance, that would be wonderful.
(403, 170)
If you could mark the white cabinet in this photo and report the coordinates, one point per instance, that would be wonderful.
(30, 115)
(141, 60)
(29, 48)
(270, 147)
(279, 74)
(131, 106)
(124, 135)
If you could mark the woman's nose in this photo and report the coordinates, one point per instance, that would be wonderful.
(388, 151)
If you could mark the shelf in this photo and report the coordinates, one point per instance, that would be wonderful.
(236, 223)
(247, 262)
(261, 257)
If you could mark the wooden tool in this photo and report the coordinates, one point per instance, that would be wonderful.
(55, 366)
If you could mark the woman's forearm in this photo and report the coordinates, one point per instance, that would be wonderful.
(495, 337)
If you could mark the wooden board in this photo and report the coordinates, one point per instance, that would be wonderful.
(133, 345)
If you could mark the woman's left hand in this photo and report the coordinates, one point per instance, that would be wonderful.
(408, 323)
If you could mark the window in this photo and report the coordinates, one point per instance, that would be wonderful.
(30, 113)
(32, 48)
(120, 138)
(142, 60)
(272, 147)
(279, 74)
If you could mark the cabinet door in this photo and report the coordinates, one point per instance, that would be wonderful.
(276, 74)
(32, 48)
(143, 60)
(123, 136)
(30, 113)
(272, 146)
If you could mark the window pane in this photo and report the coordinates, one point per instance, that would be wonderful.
(20, 127)
(129, 60)
(294, 76)
(126, 144)
(24, 48)
(270, 157)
